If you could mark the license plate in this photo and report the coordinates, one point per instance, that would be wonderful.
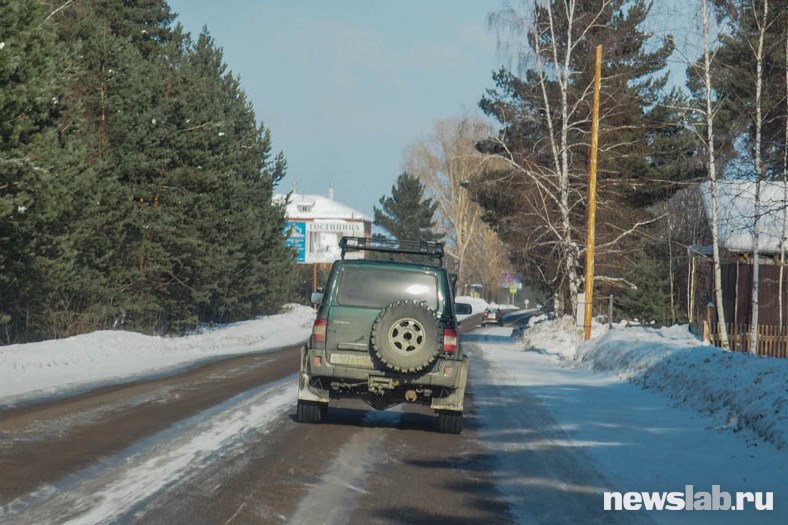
(351, 359)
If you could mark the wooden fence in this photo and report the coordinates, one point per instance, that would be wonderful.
(772, 340)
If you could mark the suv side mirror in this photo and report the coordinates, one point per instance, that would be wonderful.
(462, 308)
(317, 297)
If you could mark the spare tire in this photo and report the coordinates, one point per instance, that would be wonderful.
(405, 336)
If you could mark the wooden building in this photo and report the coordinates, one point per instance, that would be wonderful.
(736, 226)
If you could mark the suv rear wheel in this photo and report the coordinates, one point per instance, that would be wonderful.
(450, 422)
(310, 412)
(405, 336)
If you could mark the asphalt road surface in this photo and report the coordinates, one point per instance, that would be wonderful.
(110, 454)
(219, 444)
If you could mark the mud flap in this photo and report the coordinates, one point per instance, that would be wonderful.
(305, 392)
(454, 401)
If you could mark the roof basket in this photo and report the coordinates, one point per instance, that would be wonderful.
(430, 249)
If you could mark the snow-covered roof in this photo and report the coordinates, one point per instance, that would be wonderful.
(318, 207)
(736, 213)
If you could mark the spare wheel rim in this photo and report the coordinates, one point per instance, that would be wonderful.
(407, 336)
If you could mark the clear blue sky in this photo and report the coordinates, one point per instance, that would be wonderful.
(344, 86)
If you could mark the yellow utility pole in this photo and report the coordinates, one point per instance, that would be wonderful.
(591, 237)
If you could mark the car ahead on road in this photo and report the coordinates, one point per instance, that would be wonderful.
(386, 333)
(492, 316)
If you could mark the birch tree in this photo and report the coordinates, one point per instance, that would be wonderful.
(761, 21)
(735, 71)
(712, 170)
(785, 191)
(554, 201)
(538, 202)
(486, 259)
(445, 162)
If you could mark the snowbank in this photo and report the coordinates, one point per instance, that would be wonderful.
(549, 336)
(56, 367)
(740, 391)
(555, 336)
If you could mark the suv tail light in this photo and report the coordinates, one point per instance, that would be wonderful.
(449, 341)
(319, 331)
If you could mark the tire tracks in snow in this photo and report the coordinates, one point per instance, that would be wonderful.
(117, 485)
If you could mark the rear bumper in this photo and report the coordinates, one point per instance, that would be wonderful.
(446, 375)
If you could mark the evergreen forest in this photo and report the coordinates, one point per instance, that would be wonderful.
(135, 182)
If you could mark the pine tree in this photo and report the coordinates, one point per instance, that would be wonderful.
(650, 300)
(199, 238)
(538, 206)
(135, 184)
(118, 90)
(238, 264)
(31, 91)
(734, 70)
(407, 214)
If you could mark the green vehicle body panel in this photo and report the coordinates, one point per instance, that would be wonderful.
(349, 326)
(347, 357)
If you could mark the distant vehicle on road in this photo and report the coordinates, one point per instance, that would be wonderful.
(492, 315)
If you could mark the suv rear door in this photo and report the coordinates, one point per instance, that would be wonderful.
(360, 293)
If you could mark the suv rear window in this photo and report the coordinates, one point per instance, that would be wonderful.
(378, 287)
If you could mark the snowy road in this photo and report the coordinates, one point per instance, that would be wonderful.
(563, 435)
(243, 459)
(219, 444)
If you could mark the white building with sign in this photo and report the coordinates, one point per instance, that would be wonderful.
(317, 223)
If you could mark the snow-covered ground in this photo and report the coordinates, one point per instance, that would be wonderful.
(739, 391)
(654, 410)
(65, 366)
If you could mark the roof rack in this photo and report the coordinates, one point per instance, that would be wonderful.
(430, 249)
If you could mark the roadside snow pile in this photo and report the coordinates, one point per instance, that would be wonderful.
(37, 370)
(741, 391)
(550, 337)
(555, 336)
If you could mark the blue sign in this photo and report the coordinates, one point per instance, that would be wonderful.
(296, 236)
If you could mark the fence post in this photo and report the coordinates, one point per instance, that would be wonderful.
(710, 309)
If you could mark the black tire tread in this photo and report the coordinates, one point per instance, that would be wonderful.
(450, 422)
(310, 412)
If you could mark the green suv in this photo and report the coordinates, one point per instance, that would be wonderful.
(386, 333)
